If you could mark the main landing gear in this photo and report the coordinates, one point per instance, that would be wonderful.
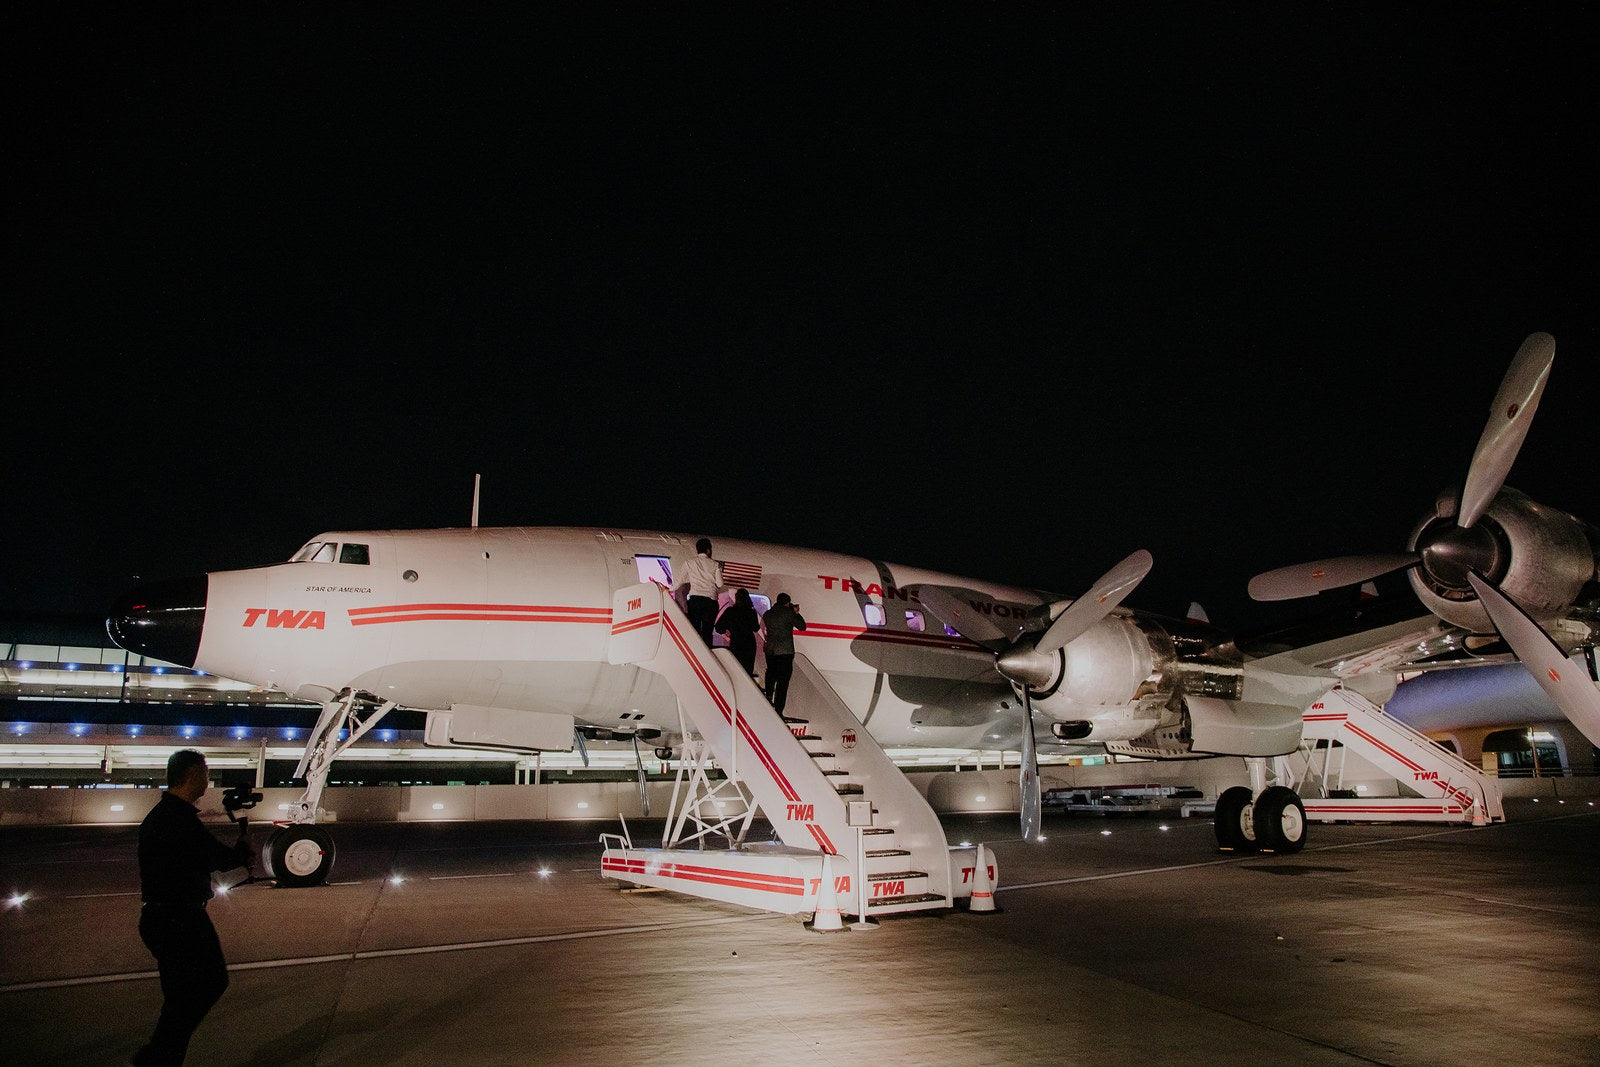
(1258, 817)
(300, 853)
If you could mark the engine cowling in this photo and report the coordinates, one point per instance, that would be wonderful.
(1538, 556)
(1110, 684)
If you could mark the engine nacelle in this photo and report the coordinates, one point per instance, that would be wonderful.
(1539, 557)
(1112, 683)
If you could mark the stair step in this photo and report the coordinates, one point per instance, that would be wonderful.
(835, 770)
(897, 876)
(822, 755)
(880, 830)
(794, 721)
(807, 737)
(885, 853)
(909, 898)
(849, 789)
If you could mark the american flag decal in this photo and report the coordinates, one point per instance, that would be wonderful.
(747, 575)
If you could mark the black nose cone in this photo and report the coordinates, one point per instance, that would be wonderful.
(161, 619)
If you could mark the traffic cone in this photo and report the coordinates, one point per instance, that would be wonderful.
(827, 918)
(982, 885)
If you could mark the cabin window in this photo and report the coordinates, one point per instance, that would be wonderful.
(915, 622)
(950, 631)
(354, 554)
(873, 613)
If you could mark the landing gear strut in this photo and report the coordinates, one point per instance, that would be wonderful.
(300, 853)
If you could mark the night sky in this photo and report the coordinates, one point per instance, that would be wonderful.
(1005, 290)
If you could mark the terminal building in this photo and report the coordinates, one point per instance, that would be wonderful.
(79, 713)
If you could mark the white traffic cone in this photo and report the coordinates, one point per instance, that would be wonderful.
(826, 918)
(982, 884)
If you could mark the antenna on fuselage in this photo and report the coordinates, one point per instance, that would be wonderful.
(477, 480)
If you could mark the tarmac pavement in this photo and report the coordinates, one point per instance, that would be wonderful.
(1116, 942)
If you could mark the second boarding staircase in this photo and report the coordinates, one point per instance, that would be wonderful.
(842, 811)
(1442, 786)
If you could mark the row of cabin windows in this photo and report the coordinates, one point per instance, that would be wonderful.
(650, 568)
(658, 569)
(329, 551)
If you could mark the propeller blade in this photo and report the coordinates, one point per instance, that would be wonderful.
(1308, 579)
(1568, 688)
(1509, 418)
(1098, 602)
(1032, 800)
(957, 614)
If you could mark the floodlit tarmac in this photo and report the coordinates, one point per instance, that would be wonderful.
(1116, 942)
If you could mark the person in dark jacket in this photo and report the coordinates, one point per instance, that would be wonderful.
(780, 622)
(176, 857)
(739, 623)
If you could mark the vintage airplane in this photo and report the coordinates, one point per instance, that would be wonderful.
(506, 638)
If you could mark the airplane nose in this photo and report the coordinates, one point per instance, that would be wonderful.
(161, 619)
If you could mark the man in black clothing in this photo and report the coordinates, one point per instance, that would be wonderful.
(780, 623)
(176, 857)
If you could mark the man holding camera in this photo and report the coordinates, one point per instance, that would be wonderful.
(176, 857)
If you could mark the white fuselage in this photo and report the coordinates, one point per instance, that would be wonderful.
(518, 618)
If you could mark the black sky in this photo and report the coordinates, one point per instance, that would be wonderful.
(1006, 290)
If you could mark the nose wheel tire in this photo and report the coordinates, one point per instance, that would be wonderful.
(1236, 831)
(299, 856)
(1280, 820)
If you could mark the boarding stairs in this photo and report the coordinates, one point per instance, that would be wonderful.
(837, 803)
(1443, 787)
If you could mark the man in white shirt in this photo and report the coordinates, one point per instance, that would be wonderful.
(702, 577)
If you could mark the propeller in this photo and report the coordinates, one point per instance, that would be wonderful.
(1450, 546)
(1570, 690)
(1455, 552)
(1027, 661)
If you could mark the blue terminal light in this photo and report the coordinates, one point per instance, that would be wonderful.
(134, 730)
(115, 668)
(239, 732)
(289, 733)
(70, 666)
(188, 731)
(79, 729)
(387, 735)
(25, 665)
(160, 670)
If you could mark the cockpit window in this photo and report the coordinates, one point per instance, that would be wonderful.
(353, 554)
(306, 553)
(324, 552)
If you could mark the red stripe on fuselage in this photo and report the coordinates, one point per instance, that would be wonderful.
(477, 613)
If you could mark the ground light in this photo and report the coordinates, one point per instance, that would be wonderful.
(16, 900)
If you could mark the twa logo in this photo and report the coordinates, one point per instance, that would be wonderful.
(841, 884)
(968, 872)
(1425, 776)
(285, 619)
(636, 603)
(1318, 706)
(889, 889)
(801, 812)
